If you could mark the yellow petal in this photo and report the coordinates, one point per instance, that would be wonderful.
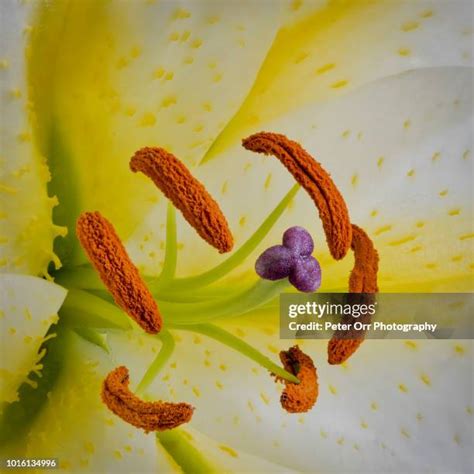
(141, 74)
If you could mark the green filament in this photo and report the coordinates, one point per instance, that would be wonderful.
(228, 339)
(81, 309)
(247, 300)
(210, 276)
(171, 252)
(190, 459)
(163, 356)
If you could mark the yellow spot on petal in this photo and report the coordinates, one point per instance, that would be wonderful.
(404, 51)
(325, 68)
(135, 52)
(15, 93)
(197, 43)
(168, 101)
(411, 173)
(427, 14)
(380, 161)
(410, 26)
(219, 385)
(374, 213)
(118, 454)
(273, 349)
(402, 388)
(332, 389)
(416, 248)
(188, 60)
(169, 76)
(207, 106)
(196, 392)
(425, 379)
(364, 425)
(181, 14)
(148, 119)
(301, 57)
(228, 450)
(158, 73)
(339, 84)
(340, 441)
(436, 156)
(265, 398)
(224, 188)
(454, 212)
(3, 64)
(431, 265)
(354, 179)
(459, 350)
(401, 241)
(130, 111)
(174, 36)
(406, 124)
(405, 433)
(374, 406)
(466, 236)
(122, 62)
(268, 181)
(345, 133)
(24, 137)
(466, 154)
(382, 229)
(89, 447)
(212, 20)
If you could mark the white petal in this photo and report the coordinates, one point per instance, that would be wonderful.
(400, 151)
(189, 444)
(26, 230)
(345, 45)
(28, 307)
(389, 408)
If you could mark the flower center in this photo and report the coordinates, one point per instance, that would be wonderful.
(185, 299)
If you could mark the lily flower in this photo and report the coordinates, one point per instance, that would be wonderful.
(379, 92)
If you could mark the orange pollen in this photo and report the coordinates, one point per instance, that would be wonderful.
(363, 279)
(149, 416)
(317, 183)
(108, 255)
(186, 193)
(298, 398)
